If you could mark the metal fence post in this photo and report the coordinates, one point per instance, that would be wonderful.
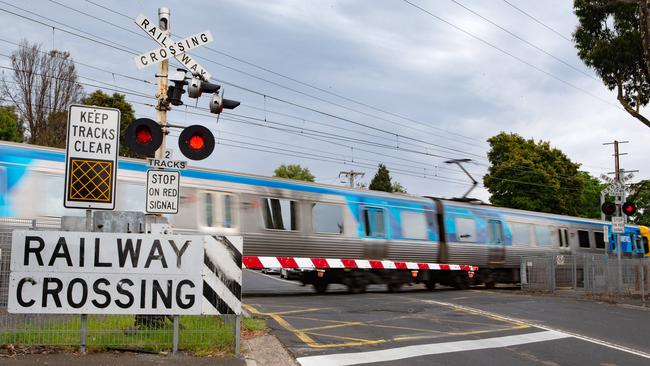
(575, 273)
(175, 336)
(237, 334)
(552, 274)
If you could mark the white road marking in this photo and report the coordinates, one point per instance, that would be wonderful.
(399, 353)
(615, 346)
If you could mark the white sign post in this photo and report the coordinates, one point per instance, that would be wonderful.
(163, 191)
(92, 146)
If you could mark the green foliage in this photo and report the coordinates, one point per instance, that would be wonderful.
(641, 198)
(609, 40)
(590, 196)
(531, 175)
(397, 188)
(381, 180)
(293, 171)
(101, 99)
(9, 125)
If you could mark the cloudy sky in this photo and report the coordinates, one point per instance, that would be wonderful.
(339, 85)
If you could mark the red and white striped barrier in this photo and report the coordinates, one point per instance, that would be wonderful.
(326, 263)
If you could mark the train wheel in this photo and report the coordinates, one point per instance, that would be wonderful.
(461, 282)
(394, 286)
(490, 284)
(431, 285)
(357, 287)
(320, 287)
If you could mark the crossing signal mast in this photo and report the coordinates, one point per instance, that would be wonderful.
(145, 136)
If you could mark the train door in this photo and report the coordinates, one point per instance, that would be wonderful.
(496, 243)
(563, 240)
(375, 232)
(645, 237)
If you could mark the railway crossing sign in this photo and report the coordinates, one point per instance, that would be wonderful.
(167, 162)
(92, 147)
(163, 191)
(170, 48)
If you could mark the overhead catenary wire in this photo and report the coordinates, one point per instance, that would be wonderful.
(282, 100)
(323, 90)
(536, 20)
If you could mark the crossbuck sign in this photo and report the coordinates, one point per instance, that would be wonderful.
(170, 48)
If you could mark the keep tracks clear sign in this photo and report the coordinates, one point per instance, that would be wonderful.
(59, 272)
(91, 157)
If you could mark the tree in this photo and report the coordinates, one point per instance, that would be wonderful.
(9, 126)
(381, 180)
(613, 38)
(293, 171)
(590, 196)
(397, 188)
(127, 115)
(531, 175)
(44, 84)
(641, 197)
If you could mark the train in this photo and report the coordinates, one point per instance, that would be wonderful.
(288, 218)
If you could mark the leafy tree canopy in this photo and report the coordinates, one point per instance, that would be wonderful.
(641, 198)
(613, 39)
(382, 181)
(101, 99)
(9, 125)
(294, 171)
(531, 175)
(590, 196)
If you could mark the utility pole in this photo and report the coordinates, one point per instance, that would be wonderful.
(163, 103)
(619, 199)
(350, 176)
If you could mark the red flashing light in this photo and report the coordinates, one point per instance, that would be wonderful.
(197, 141)
(629, 208)
(143, 135)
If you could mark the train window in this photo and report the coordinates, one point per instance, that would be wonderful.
(520, 233)
(414, 225)
(218, 210)
(495, 232)
(327, 218)
(209, 210)
(280, 214)
(466, 229)
(563, 235)
(543, 236)
(227, 211)
(600, 239)
(646, 247)
(373, 220)
(583, 239)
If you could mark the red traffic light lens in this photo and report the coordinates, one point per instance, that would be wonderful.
(143, 135)
(608, 208)
(197, 141)
(629, 208)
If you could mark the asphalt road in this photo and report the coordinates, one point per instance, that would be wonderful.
(447, 327)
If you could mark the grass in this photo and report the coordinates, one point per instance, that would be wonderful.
(198, 334)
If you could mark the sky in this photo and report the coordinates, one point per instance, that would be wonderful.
(340, 85)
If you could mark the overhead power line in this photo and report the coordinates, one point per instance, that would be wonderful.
(521, 60)
(538, 21)
(323, 90)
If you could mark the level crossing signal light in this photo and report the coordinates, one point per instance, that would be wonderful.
(196, 142)
(218, 103)
(608, 208)
(144, 137)
(629, 208)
